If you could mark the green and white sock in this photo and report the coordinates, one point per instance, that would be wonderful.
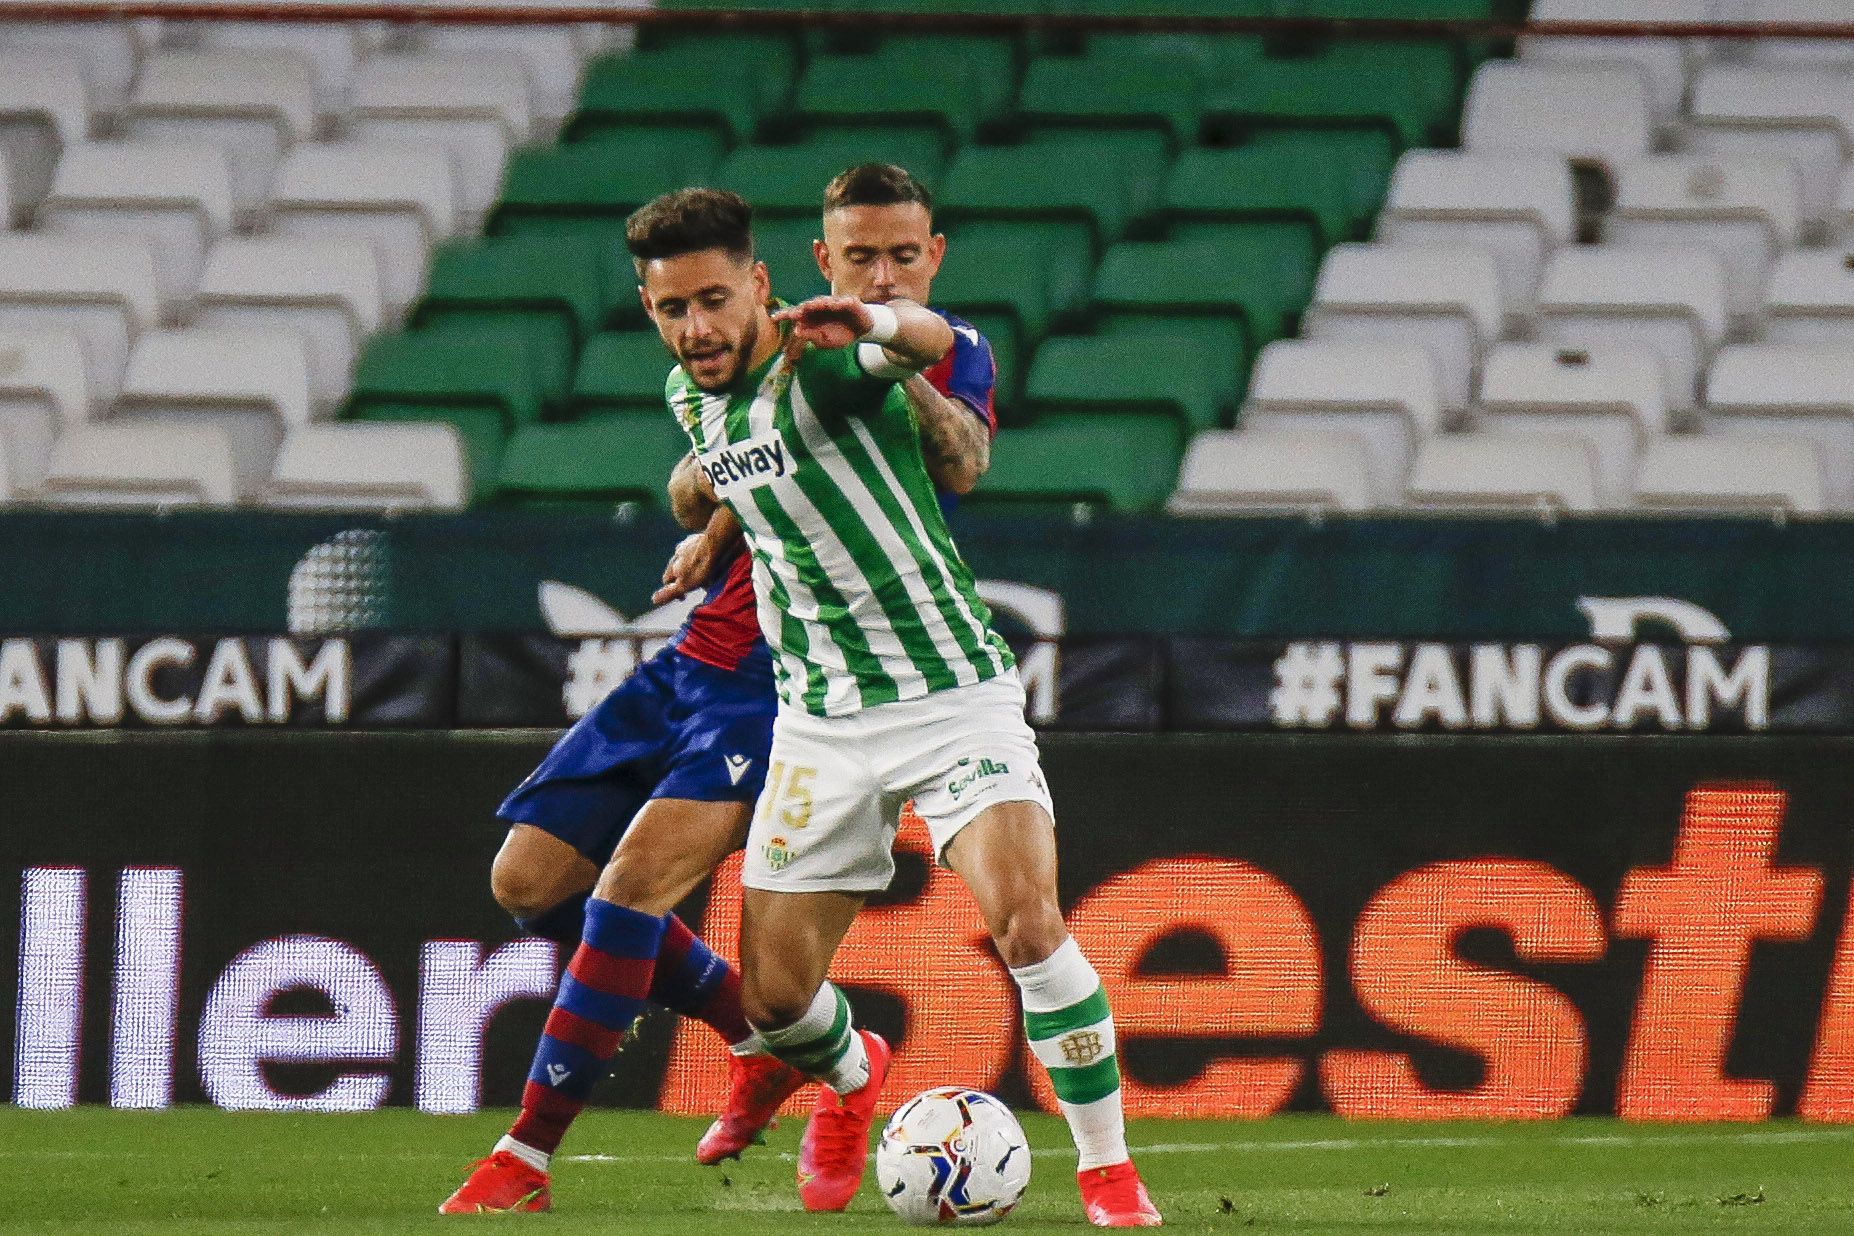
(1071, 1032)
(823, 1044)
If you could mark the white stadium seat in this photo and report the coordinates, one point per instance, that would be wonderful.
(1737, 473)
(43, 387)
(1670, 300)
(1837, 53)
(1273, 470)
(141, 464)
(1811, 298)
(44, 107)
(370, 467)
(1662, 63)
(103, 290)
(104, 52)
(1504, 473)
(254, 104)
(1806, 390)
(177, 197)
(1803, 115)
(1384, 395)
(1518, 207)
(549, 55)
(9, 492)
(1446, 299)
(331, 51)
(327, 292)
(1614, 398)
(1745, 211)
(401, 199)
(1841, 223)
(477, 112)
(252, 384)
(1594, 115)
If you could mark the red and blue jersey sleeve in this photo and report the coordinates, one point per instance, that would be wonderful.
(968, 373)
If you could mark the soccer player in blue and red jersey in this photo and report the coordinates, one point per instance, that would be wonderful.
(642, 798)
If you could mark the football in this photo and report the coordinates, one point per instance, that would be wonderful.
(953, 1156)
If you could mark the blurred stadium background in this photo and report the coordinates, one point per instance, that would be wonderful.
(1422, 509)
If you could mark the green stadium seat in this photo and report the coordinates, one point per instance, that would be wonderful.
(621, 372)
(1169, 8)
(790, 180)
(1063, 180)
(1299, 182)
(1064, 251)
(1125, 462)
(625, 457)
(598, 181)
(1363, 157)
(785, 246)
(1166, 375)
(1319, 92)
(1402, 10)
(888, 90)
(1105, 91)
(988, 62)
(1217, 57)
(680, 86)
(996, 274)
(1243, 277)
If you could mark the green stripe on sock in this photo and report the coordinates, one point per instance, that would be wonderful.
(1041, 1026)
(817, 1055)
(1088, 1083)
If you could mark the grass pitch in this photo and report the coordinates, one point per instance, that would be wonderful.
(199, 1170)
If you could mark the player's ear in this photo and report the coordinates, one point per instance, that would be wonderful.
(936, 253)
(820, 253)
(643, 295)
(762, 283)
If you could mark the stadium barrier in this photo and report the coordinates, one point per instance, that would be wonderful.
(1388, 927)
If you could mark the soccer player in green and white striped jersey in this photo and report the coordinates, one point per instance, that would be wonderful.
(892, 685)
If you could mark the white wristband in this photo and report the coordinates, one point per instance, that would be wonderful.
(883, 324)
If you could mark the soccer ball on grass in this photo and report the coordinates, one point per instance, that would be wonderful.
(953, 1155)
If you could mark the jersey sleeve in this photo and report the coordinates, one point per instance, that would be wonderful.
(969, 374)
(834, 381)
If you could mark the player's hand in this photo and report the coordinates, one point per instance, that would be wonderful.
(690, 568)
(827, 321)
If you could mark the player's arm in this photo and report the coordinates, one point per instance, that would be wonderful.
(955, 443)
(892, 341)
(691, 496)
(699, 556)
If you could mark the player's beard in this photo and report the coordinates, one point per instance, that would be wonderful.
(744, 349)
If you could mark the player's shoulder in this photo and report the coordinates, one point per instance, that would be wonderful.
(965, 335)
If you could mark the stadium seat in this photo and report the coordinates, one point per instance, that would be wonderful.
(1670, 300)
(1598, 116)
(1811, 298)
(785, 246)
(177, 198)
(1744, 211)
(251, 384)
(1841, 224)
(783, 181)
(1300, 182)
(1444, 299)
(1833, 53)
(44, 108)
(1122, 462)
(1803, 390)
(1262, 471)
(103, 290)
(1662, 62)
(104, 53)
(254, 105)
(1004, 290)
(1385, 396)
(892, 91)
(1213, 57)
(1614, 398)
(623, 457)
(1517, 207)
(548, 55)
(476, 112)
(1803, 115)
(1059, 182)
(1165, 375)
(370, 468)
(586, 188)
(401, 199)
(1243, 288)
(141, 464)
(326, 292)
(990, 61)
(677, 86)
(1492, 473)
(1763, 474)
(44, 388)
(621, 372)
(1151, 91)
(1321, 91)
(332, 51)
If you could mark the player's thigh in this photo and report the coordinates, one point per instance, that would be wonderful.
(819, 825)
(787, 941)
(535, 871)
(672, 846)
(1006, 855)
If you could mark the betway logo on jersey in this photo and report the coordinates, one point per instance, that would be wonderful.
(757, 461)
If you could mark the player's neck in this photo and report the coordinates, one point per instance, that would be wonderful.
(771, 339)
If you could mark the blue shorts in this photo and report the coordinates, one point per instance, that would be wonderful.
(676, 728)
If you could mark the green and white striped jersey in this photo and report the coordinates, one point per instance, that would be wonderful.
(862, 596)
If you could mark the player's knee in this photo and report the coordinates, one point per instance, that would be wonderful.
(774, 1005)
(521, 890)
(1029, 932)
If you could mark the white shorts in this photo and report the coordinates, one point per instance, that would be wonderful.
(835, 786)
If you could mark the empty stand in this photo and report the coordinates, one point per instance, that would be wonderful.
(103, 290)
(1146, 90)
(44, 107)
(1272, 470)
(621, 372)
(1166, 375)
(253, 104)
(550, 56)
(370, 467)
(1119, 462)
(1802, 390)
(1754, 474)
(1834, 53)
(1504, 473)
(1662, 63)
(141, 464)
(622, 457)
(103, 53)
(677, 86)
(1518, 207)
(1803, 115)
(475, 111)
(1596, 115)
(1811, 298)
(44, 387)
(332, 51)
(1670, 300)
(1614, 398)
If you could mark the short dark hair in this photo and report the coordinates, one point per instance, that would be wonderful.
(689, 221)
(875, 184)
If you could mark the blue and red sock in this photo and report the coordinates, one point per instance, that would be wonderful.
(692, 979)
(602, 993)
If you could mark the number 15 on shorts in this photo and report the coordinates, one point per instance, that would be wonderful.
(787, 796)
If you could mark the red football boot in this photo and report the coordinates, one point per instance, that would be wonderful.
(835, 1149)
(1116, 1197)
(756, 1087)
(499, 1185)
